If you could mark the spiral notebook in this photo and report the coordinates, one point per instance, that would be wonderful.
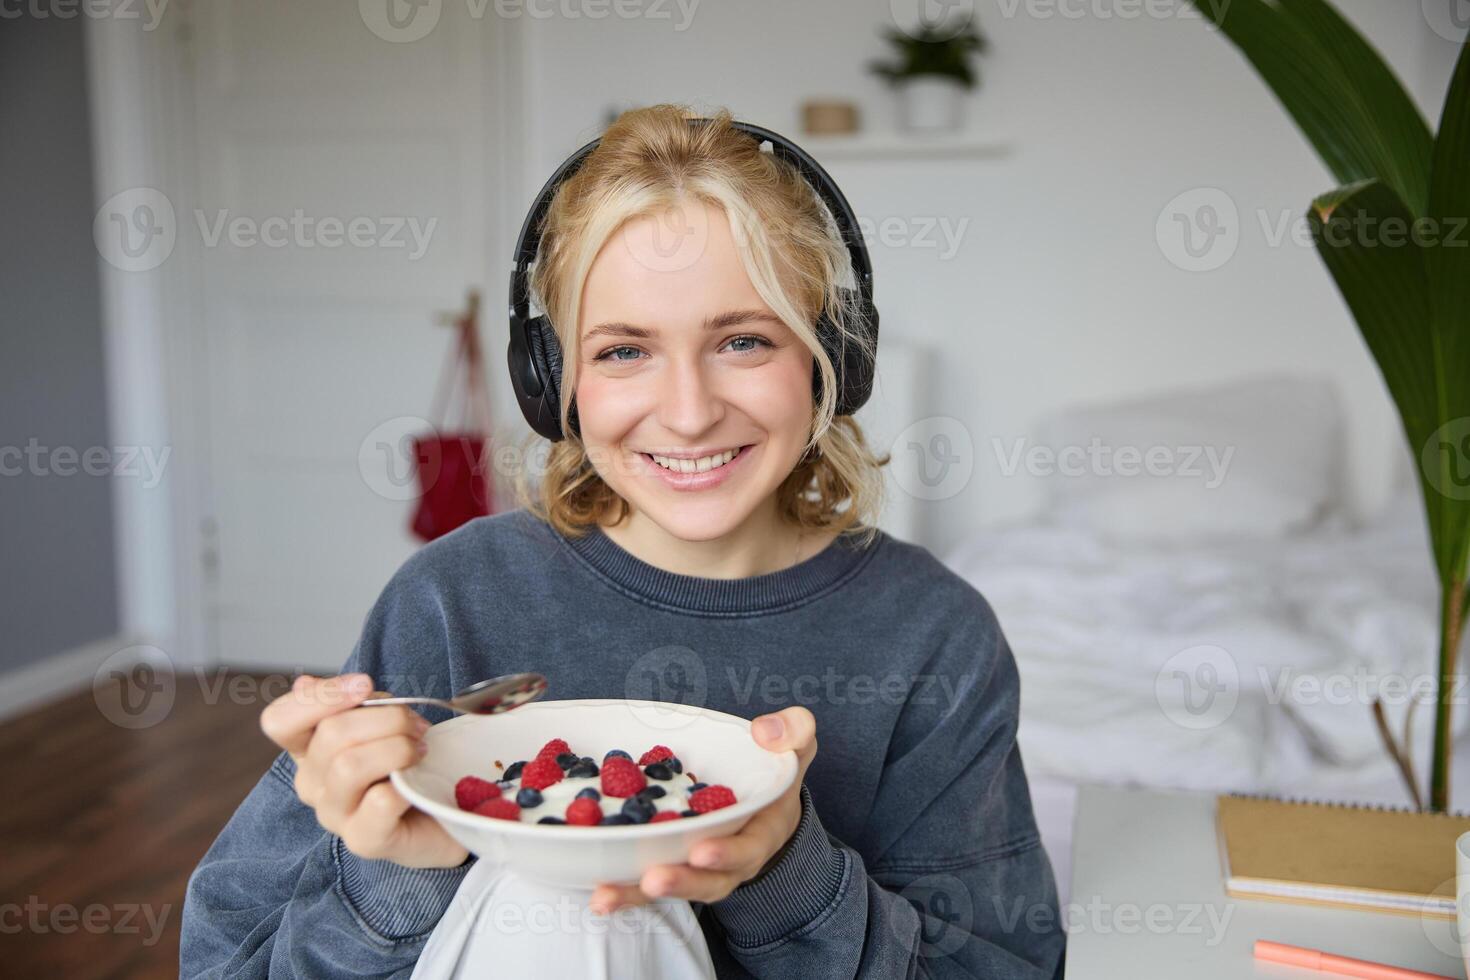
(1338, 854)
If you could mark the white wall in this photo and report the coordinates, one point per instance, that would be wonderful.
(1059, 292)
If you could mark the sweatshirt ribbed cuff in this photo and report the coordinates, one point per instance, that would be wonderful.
(807, 880)
(392, 902)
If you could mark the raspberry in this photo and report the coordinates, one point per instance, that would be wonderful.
(624, 780)
(499, 809)
(471, 791)
(540, 773)
(663, 815)
(656, 754)
(584, 812)
(554, 748)
(711, 798)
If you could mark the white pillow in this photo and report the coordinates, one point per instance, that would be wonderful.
(1257, 458)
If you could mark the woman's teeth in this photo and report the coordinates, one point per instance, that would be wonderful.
(695, 465)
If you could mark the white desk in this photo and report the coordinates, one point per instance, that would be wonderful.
(1148, 902)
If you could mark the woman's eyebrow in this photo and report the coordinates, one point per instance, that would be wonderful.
(730, 318)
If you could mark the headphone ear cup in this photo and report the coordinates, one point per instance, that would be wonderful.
(545, 353)
(853, 367)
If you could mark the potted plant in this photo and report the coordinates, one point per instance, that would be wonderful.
(1409, 292)
(932, 72)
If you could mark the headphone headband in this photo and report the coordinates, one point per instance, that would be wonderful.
(535, 357)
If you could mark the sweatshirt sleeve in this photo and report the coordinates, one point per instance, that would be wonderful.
(958, 884)
(278, 896)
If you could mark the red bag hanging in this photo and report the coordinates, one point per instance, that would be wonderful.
(452, 465)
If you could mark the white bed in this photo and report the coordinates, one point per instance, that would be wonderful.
(1174, 634)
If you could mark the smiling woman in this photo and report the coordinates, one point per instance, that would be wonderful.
(684, 271)
(708, 514)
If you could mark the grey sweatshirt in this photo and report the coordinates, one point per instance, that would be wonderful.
(917, 853)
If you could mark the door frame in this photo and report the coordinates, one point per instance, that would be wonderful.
(140, 86)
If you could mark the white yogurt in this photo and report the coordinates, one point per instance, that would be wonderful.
(558, 796)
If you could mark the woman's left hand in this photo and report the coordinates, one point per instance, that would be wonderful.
(718, 865)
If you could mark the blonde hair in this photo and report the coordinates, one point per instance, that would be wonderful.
(650, 159)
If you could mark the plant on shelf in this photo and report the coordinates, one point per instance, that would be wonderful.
(1393, 237)
(933, 68)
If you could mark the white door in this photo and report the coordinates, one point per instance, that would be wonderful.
(347, 162)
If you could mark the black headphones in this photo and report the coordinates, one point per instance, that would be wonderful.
(534, 354)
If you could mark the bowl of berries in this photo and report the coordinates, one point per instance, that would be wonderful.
(576, 793)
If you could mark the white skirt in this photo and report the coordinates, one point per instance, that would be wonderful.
(500, 924)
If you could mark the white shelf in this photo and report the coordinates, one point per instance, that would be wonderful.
(905, 146)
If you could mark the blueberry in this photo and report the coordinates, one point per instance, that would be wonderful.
(651, 792)
(588, 794)
(638, 810)
(615, 818)
(617, 752)
(695, 786)
(688, 813)
(566, 760)
(528, 798)
(657, 770)
(585, 767)
(550, 819)
(514, 772)
(673, 763)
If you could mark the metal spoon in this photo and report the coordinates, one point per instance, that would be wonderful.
(485, 698)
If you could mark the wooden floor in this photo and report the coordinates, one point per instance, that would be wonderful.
(102, 824)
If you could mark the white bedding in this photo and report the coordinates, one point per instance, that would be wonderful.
(1099, 628)
(1091, 624)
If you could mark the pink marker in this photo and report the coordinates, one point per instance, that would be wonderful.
(1315, 959)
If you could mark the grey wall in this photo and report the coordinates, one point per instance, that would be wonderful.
(57, 587)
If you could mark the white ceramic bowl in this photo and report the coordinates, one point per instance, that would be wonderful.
(717, 747)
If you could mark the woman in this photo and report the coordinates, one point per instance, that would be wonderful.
(704, 534)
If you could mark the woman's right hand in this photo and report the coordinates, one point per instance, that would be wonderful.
(343, 757)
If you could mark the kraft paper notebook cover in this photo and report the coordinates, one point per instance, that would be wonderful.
(1320, 853)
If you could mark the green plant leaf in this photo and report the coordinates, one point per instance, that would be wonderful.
(1310, 81)
(1380, 91)
(1387, 290)
(1449, 285)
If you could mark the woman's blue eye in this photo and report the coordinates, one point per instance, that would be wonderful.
(608, 354)
(754, 340)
